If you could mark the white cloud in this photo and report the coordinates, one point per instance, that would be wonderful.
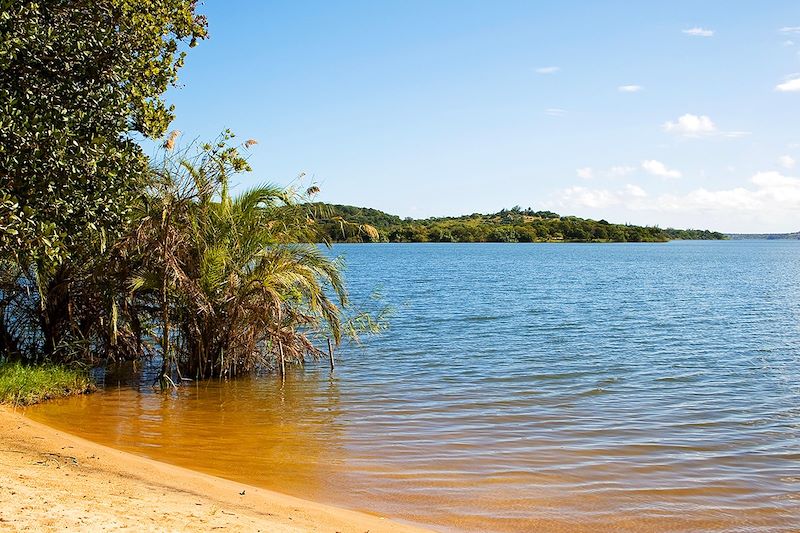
(620, 170)
(629, 88)
(773, 191)
(699, 32)
(735, 134)
(554, 111)
(577, 197)
(790, 85)
(613, 172)
(768, 200)
(705, 200)
(774, 179)
(788, 42)
(690, 125)
(787, 161)
(657, 168)
(790, 29)
(585, 197)
(547, 70)
(635, 191)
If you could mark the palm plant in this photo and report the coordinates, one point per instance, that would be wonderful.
(239, 281)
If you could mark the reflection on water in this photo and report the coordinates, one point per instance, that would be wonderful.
(262, 431)
(521, 388)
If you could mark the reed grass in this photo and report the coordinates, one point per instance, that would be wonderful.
(28, 384)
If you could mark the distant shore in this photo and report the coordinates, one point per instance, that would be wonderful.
(53, 481)
(764, 236)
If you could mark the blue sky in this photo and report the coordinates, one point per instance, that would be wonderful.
(679, 114)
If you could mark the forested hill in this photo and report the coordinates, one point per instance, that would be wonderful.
(508, 225)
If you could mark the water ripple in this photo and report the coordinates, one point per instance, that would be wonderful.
(523, 388)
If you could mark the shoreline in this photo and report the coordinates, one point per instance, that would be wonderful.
(54, 481)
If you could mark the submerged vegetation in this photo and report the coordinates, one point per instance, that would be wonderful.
(28, 384)
(231, 282)
(213, 284)
(508, 225)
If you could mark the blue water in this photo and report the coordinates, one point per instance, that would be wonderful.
(541, 387)
(623, 367)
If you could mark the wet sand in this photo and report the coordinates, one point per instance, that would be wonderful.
(53, 481)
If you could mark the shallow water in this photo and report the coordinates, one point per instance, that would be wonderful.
(539, 387)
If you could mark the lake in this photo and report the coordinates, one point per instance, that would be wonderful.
(541, 387)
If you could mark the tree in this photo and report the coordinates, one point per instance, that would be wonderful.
(77, 80)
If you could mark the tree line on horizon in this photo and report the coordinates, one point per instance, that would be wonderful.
(508, 225)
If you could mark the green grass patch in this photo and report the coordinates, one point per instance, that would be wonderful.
(24, 385)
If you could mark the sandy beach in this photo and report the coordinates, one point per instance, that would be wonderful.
(53, 481)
